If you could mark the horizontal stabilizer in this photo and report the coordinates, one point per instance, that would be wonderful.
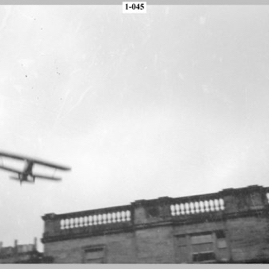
(28, 181)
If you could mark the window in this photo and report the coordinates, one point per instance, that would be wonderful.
(203, 256)
(93, 254)
(202, 247)
(182, 249)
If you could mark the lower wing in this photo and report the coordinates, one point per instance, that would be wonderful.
(10, 169)
(46, 177)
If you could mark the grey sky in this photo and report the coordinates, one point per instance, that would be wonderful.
(169, 103)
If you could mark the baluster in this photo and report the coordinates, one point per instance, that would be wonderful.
(211, 204)
(128, 214)
(113, 217)
(86, 223)
(206, 206)
(177, 210)
(76, 222)
(197, 209)
(123, 216)
(100, 219)
(94, 219)
(71, 223)
(62, 224)
(68, 224)
(118, 217)
(191, 208)
(216, 202)
(202, 206)
(182, 209)
(267, 195)
(194, 208)
(187, 208)
(174, 212)
(104, 218)
(221, 202)
(90, 220)
(81, 221)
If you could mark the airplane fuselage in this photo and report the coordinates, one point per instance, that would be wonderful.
(27, 172)
(28, 169)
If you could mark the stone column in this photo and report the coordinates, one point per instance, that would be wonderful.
(51, 224)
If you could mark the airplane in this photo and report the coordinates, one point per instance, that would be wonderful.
(27, 174)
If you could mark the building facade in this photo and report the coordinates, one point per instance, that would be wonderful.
(26, 253)
(231, 226)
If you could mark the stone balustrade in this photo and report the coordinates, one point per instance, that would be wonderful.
(95, 217)
(161, 211)
(197, 204)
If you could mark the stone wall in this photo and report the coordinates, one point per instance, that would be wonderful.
(228, 226)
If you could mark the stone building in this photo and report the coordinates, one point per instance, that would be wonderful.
(26, 253)
(230, 226)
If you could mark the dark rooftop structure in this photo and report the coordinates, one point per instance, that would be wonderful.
(26, 253)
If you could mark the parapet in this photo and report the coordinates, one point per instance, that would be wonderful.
(228, 203)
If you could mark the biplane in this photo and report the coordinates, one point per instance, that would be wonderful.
(27, 175)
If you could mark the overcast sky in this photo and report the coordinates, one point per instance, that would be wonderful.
(169, 103)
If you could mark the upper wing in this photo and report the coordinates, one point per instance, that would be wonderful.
(46, 177)
(10, 169)
(13, 156)
(32, 160)
(50, 164)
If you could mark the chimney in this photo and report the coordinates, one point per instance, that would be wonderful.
(35, 243)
